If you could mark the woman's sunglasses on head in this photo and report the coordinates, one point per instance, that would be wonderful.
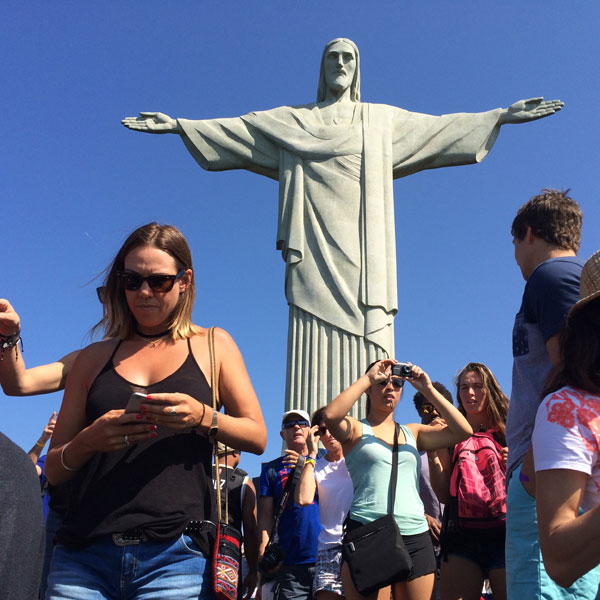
(157, 283)
(321, 431)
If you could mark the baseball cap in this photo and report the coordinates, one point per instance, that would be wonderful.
(299, 412)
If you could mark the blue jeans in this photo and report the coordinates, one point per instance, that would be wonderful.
(173, 570)
(526, 576)
(54, 522)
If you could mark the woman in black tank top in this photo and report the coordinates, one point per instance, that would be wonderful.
(142, 511)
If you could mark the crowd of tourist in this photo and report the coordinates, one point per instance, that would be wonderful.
(488, 497)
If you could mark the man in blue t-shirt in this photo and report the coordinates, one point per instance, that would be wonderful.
(546, 235)
(299, 526)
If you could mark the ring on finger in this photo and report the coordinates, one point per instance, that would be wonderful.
(127, 444)
(173, 410)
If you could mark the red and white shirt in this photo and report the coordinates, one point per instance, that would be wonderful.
(567, 436)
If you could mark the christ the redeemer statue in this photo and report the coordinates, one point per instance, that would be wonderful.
(335, 161)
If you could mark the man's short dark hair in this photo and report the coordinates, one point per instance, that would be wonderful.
(418, 398)
(553, 216)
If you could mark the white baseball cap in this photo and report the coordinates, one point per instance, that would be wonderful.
(299, 412)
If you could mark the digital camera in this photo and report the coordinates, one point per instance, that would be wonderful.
(401, 370)
(274, 554)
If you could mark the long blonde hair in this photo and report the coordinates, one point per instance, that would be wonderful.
(117, 320)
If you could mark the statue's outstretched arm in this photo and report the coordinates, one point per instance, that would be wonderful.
(152, 122)
(524, 111)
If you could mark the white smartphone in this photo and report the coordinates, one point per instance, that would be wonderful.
(133, 404)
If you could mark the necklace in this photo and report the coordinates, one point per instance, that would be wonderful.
(155, 337)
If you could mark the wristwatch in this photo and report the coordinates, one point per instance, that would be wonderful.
(214, 427)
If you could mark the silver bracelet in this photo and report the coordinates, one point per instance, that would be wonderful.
(62, 458)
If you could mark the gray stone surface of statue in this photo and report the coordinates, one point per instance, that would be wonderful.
(335, 161)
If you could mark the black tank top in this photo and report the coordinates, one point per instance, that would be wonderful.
(234, 486)
(157, 485)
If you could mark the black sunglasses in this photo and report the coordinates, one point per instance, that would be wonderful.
(396, 382)
(321, 431)
(294, 422)
(427, 408)
(157, 283)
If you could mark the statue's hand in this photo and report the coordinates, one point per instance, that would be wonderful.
(152, 122)
(523, 111)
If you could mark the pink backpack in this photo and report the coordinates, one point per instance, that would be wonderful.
(478, 482)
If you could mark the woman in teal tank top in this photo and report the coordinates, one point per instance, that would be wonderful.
(367, 447)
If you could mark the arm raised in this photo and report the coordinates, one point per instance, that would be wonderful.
(345, 429)
(431, 437)
(307, 486)
(15, 378)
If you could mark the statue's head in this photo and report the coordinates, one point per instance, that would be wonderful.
(339, 45)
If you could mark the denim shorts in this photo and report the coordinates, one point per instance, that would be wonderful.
(328, 575)
(171, 570)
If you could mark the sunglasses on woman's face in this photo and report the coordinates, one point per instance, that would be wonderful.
(322, 430)
(395, 381)
(157, 283)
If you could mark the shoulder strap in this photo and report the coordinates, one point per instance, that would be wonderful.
(288, 491)
(394, 475)
(215, 402)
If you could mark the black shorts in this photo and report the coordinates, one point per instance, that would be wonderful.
(420, 550)
(484, 547)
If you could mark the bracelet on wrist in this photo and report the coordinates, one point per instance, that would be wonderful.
(10, 341)
(40, 444)
(62, 459)
(310, 461)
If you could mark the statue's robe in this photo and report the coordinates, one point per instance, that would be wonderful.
(336, 227)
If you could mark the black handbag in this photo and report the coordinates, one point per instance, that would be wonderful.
(375, 552)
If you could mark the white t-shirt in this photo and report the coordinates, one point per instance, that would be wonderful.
(335, 490)
(567, 436)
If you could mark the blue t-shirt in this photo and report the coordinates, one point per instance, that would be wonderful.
(550, 292)
(299, 526)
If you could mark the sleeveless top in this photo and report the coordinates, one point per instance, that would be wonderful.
(156, 485)
(370, 466)
(235, 485)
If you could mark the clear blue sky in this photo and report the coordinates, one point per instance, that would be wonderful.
(74, 182)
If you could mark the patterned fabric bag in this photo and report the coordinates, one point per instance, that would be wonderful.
(227, 553)
(226, 562)
(478, 483)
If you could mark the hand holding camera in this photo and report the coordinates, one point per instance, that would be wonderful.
(271, 560)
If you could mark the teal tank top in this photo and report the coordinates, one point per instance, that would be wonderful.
(370, 466)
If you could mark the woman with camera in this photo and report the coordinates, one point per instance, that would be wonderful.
(566, 442)
(141, 521)
(368, 450)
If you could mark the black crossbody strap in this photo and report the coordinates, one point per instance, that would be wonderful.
(394, 476)
(288, 490)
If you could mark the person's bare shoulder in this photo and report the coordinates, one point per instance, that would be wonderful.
(92, 358)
